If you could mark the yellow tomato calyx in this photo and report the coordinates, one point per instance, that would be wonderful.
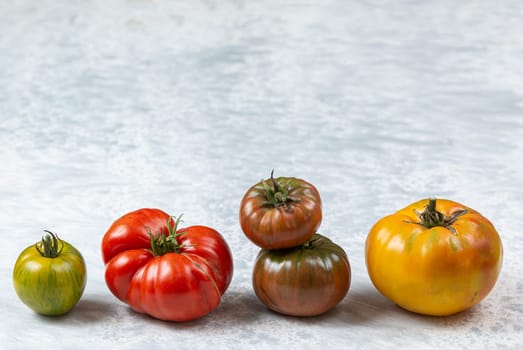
(430, 217)
(50, 246)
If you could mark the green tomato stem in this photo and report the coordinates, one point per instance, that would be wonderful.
(277, 196)
(50, 246)
(430, 217)
(312, 242)
(166, 243)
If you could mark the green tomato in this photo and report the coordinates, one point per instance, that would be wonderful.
(50, 276)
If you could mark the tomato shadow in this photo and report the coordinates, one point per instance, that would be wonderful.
(366, 306)
(91, 309)
(360, 306)
(452, 321)
(242, 307)
(237, 308)
(88, 310)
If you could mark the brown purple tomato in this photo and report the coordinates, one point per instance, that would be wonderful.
(307, 280)
(280, 212)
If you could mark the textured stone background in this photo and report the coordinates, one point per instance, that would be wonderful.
(109, 106)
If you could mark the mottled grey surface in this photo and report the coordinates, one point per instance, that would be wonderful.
(109, 106)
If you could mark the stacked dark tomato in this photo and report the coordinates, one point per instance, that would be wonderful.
(298, 271)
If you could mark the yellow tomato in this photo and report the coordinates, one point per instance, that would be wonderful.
(434, 257)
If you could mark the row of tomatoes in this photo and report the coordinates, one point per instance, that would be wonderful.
(434, 257)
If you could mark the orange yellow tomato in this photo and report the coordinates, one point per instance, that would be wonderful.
(434, 257)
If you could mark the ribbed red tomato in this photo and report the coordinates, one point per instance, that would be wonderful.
(168, 273)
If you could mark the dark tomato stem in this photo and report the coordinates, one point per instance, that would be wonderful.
(310, 244)
(430, 217)
(275, 184)
(277, 196)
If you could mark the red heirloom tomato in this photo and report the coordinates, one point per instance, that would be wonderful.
(168, 273)
(434, 257)
(280, 213)
(302, 281)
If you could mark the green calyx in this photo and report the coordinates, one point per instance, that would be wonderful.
(277, 195)
(166, 243)
(50, 246)
(430, 217)
(317, 241)
(309, 244)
